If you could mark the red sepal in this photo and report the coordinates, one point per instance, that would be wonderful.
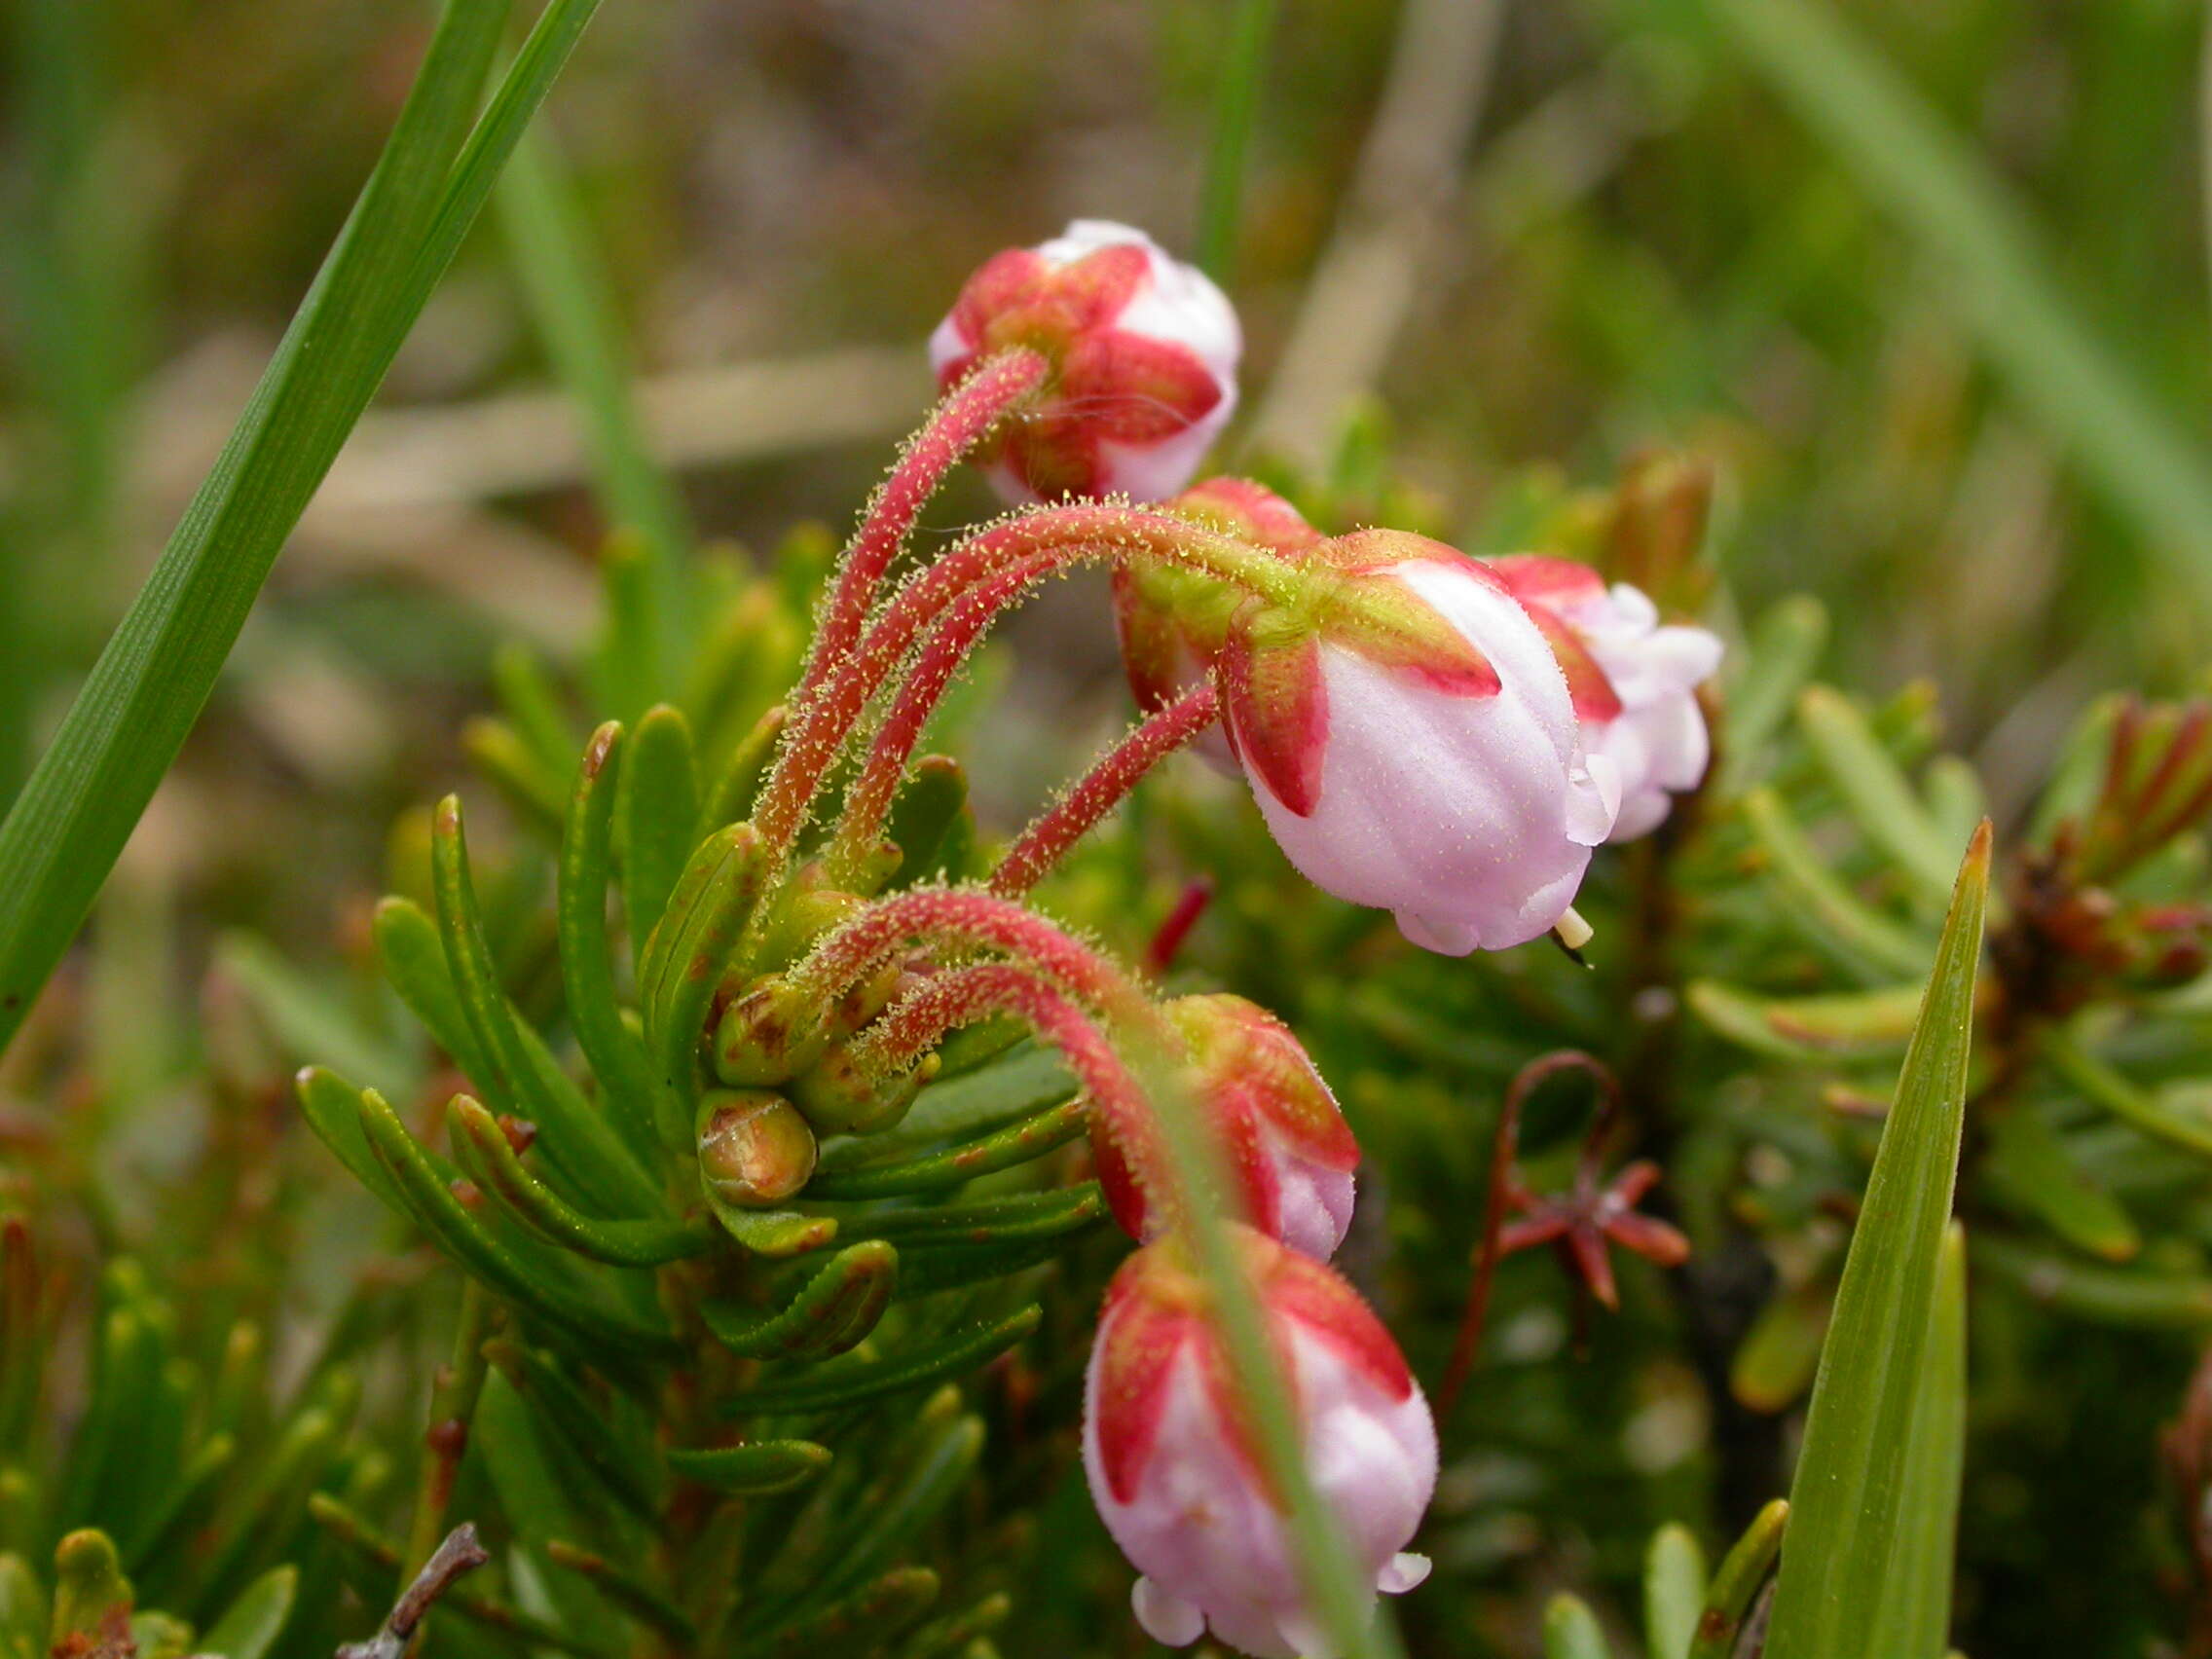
(1276, 706)
(1539, 579)
(1593, 694)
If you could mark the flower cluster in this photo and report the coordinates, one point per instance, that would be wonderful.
(1422, 732)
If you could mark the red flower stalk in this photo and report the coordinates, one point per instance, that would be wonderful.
(966, 415)
(1101, 788)
(875, 936)
(1041, 541)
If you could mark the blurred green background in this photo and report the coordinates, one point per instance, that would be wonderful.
(1926, 278)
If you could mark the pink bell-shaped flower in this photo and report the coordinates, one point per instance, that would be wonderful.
(1413, 742)
(1657, 738)
(1143, 352)
(1177, 1477)
(1291, 1151)
(1172, 619)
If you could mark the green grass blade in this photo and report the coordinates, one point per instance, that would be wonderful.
(2148, 469)
(1855, 1482)
(1235, 110)
(1915, 1617)
(577, 317)
(69, 823)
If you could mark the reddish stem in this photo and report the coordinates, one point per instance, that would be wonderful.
(1045, 540)
(867, 941)
(962, 996)
(868, 804)
(1167, 942)
(1112, 776)
(961, 420)
(1506, 1150)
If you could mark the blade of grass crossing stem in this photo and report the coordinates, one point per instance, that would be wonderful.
(1915, 1616)
(66, 827)
(1854, 1483)
(577, 317)
(1236, 112)
(1904, 156)
(1336, 1589)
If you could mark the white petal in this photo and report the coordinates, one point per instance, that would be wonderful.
(1167, 1619)
(1403, 1571)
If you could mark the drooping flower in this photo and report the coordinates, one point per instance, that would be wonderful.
(1143, 352)
(1657, 737)
(1172, 619)
(1175, 1470)
(1413, 742)
(1291, 1150)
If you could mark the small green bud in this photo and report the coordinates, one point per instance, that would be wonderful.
(754, 1149)
(767, 1033)
(840, 1098)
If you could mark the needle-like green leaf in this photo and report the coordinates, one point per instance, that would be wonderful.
(1853, 1478)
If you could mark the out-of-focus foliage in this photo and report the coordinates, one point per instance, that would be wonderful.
(223, 1352)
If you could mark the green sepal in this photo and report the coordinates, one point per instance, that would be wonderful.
(1017, 1143)
(617, 1054)
(932, 802)
(871, 1378)
(1737, 1581)
(540, 1284)
(481, 1147)
(753, 1470)
(626, 1591)
(835, 1310)
(656, 803)
(1027, 1217)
